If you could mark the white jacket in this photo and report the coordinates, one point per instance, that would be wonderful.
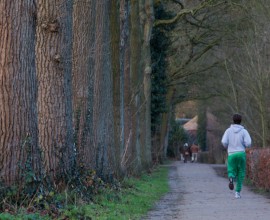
(236, 138)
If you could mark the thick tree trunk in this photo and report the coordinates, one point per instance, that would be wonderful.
(18, 90)
(82, 80)
(53, 55)
(103, 136)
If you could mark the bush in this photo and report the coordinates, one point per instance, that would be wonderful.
(258, 163)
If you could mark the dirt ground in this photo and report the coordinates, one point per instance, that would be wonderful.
(200, 192)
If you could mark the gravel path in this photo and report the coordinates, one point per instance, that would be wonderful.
(198, 193)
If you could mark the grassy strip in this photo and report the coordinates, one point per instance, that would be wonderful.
(133, 200)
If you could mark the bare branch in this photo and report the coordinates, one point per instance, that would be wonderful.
(184, 11)
(175, 80)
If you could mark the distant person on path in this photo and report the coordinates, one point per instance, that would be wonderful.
(194, 152)
(235, 139)
(182, 151)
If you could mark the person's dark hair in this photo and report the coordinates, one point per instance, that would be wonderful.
(237, 119)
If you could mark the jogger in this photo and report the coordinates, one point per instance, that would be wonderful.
(236, 138)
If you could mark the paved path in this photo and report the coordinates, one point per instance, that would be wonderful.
(198, 193)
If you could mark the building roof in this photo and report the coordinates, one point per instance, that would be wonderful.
(212, 123)
(191, 125)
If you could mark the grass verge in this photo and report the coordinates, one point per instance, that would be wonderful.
(135, 198)
(132, 200)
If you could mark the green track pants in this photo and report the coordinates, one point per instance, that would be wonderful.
(237, 168)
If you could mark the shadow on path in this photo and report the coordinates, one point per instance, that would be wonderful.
(199, 193)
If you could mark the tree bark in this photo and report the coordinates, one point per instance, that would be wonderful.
(164, 133)
(53, 59)
(136, 86)
(82, 80)
(117, 92)
(18, 90)
(125, 84)
(103, 137)
(147, 18)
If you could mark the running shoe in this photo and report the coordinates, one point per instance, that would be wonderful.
(237, 195)
(231, 186)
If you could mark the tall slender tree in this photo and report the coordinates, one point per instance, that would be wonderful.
(125, 84)
(136, 77)
(147, 19)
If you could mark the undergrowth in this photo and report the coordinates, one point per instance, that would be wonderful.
(86, 197)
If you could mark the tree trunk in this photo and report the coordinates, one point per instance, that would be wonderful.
(117, 93)
(147, 18)
(53, 59)
(125, 84)
(103, 137)
(18, 89)
(136, 86)
(82, 80)
(164, 133)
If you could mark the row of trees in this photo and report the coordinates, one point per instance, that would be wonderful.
(74, 88)
(84, 83)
